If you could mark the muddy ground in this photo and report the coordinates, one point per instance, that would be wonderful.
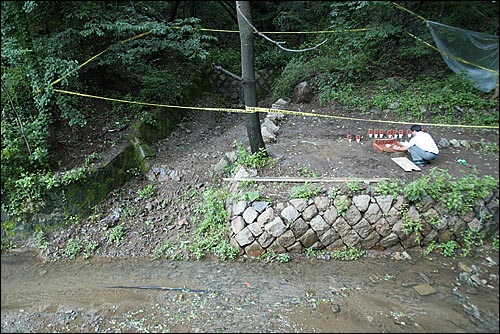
(381, 294)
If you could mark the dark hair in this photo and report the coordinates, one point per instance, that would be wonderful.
(416, 127)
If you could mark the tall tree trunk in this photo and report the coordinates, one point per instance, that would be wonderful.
(248, 76)
(174, 5)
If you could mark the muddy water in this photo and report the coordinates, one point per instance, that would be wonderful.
(373, 294)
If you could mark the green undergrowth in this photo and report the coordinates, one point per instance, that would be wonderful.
(211, 229)
(441, 100)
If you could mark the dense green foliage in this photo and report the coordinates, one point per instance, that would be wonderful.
(358, 68)
(48, 45)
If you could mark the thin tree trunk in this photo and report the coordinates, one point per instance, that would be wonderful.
(248, 76)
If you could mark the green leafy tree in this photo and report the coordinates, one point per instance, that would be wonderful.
(48, 45)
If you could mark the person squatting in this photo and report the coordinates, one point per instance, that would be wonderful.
(421, 146)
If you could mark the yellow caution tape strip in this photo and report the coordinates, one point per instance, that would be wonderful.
(407, 10)
(97, 55)
(291, 32)
(268, 110)
(251, 110)
(150, 104)
(278, 32)
(301, 113)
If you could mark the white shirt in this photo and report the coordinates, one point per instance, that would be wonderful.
(424, 141)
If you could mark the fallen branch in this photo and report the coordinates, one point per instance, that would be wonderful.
(300, 179)
(155, 287)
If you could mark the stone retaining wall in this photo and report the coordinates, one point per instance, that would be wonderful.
(362, 221)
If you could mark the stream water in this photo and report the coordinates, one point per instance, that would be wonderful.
(372, 294)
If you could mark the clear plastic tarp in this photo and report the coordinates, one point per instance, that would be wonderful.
(470, 52)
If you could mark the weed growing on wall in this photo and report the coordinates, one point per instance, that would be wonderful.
(305, 191)
(458, 196)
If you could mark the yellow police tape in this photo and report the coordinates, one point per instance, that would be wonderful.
(281, 32)
(151, 104)
(407, 10)
(251, 110)
(300, 113)
(268, 110)
(284, 32)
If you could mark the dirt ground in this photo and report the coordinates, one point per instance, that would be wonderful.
(305, 147)
(41, 295)
(315, 143)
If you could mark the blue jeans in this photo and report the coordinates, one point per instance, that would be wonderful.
(421, 157)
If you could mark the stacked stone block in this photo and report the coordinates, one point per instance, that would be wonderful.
(362, 221)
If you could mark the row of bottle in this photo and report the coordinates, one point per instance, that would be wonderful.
(381, 134)
(388, 134)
